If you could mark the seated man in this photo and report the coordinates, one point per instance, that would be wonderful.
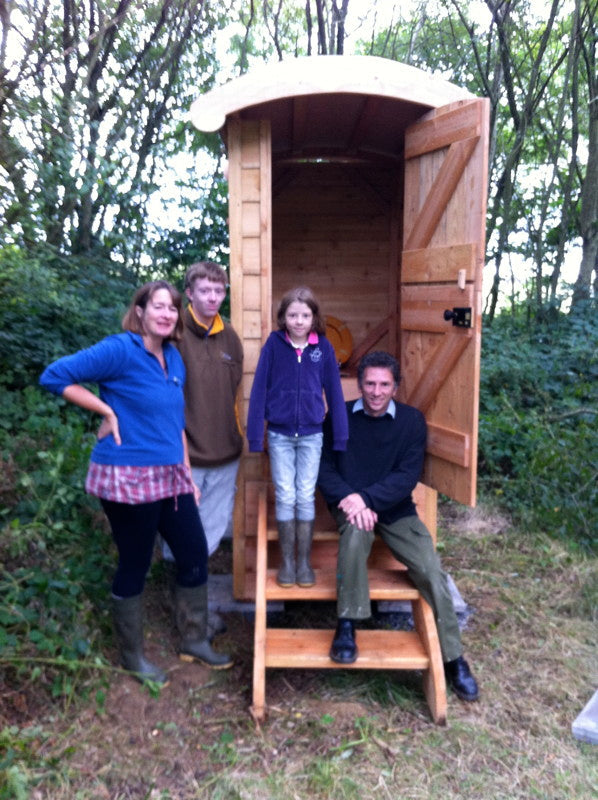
(368, 490)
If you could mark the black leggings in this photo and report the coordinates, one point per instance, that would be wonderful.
(134, 529)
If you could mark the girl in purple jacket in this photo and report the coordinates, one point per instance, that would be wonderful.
(297, 365)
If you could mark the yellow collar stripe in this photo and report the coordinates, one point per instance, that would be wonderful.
(217, 323)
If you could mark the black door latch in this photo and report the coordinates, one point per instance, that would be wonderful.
(461, 317)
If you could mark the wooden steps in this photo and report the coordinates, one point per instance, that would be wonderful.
(302, 648)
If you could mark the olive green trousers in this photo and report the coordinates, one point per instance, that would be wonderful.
(410, 542)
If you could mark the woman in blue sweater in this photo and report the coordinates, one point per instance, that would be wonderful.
(297, 365)
(140, 468)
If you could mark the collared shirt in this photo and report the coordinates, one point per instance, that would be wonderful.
(383, 461)
(392, 408)
(311, 339)
(214, 364)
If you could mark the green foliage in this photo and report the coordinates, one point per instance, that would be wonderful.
(54, 305)
(20, 760)
(525, 58)
(538, 432)
(207, 238)
(86, 144)
(54, 553)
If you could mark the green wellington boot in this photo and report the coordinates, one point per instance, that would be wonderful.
(216, 623)
(305, 535)
(286, 541)
(127, 616)
(192, 622)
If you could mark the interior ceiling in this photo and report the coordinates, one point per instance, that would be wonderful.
(337, 127)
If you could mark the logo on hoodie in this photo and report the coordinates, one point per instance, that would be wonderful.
(315, 355)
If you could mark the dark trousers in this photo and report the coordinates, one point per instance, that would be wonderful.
(134, 529)
(410, 542)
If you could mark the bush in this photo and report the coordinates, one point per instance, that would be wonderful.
(538, 433)
(52, 306)
(55, 554)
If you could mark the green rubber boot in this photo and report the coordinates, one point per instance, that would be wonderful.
(216, 623)
(286, 575)
(192, 622)
(305, 535)
(127, 616)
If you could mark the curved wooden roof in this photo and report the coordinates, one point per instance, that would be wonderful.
(314, 75)
(344, 107)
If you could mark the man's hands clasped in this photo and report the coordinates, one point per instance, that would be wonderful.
(357, 512)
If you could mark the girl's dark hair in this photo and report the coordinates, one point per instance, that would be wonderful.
(379, 358)
(302, 295)
(131, 321)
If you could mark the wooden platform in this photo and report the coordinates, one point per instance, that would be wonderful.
(309, 648)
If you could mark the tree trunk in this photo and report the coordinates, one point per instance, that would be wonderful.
(588, 220)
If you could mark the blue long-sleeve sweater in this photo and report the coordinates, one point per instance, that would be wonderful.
(287, 392)
(148, 403)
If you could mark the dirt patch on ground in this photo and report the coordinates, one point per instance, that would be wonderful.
(473, 522)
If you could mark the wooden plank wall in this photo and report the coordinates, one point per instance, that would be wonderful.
(250, 230)
(335, 230)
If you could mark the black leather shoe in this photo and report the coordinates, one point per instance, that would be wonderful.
(460, 679)
(344, 649)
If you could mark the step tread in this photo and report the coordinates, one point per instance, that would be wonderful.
(385, 584)
(378, 649)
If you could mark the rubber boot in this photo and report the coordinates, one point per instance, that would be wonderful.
(127, 615)
(305, 535)
(286, 541)
(192, 622)
(216, 623)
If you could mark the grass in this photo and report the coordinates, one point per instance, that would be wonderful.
(345, 735)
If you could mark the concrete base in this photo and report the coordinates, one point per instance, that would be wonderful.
(585, 727)
(398, 607)
(220, 597)
(394, 614)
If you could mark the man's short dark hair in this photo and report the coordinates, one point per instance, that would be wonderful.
(379, 358)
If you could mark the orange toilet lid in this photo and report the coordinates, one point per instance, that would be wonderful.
(339, 336)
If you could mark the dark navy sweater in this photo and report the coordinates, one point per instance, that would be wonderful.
(383, 461)
(287, 392)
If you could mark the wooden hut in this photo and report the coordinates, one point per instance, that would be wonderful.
(364, 179)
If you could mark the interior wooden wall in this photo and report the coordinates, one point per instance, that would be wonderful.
(334, 229)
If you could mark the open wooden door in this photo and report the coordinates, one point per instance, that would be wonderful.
(446, 155)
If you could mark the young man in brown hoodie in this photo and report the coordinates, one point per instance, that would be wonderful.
(213, 358)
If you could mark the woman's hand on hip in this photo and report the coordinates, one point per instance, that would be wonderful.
(108, 426)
